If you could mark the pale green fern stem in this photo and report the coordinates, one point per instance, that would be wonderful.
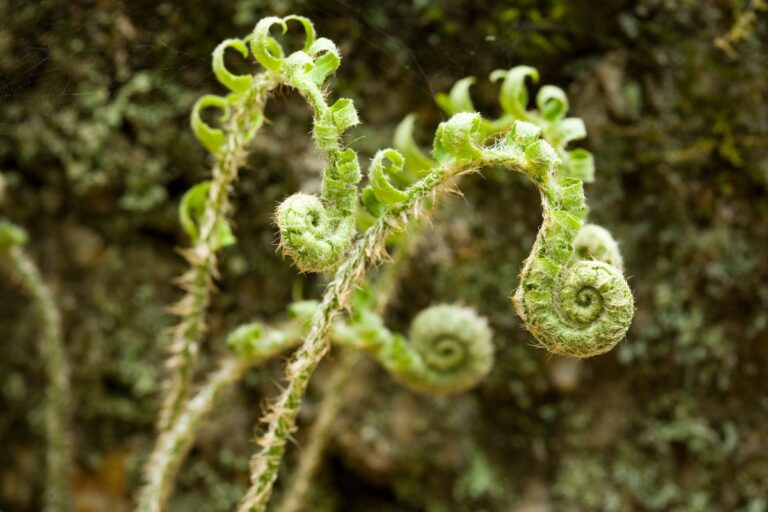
(295, 497)
(383, 291)
(174, 443)
(58, 405)
(245, 118)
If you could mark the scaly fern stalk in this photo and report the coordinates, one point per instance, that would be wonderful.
(58, 399)
(383, 292)
(295, 497)
(174, 443)
(210, 235)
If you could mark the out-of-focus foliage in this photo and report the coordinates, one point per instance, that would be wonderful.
(96, 150)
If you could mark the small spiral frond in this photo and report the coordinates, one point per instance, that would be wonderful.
(211, 138)
(315, 231)
(450, 348)
(386, 163)
(311, 234)
(235, 83)
(455, 345)
(596, 242)
(11, 235)
(573, 306)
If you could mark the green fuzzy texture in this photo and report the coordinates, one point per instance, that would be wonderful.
(449, 349)
(315, 231)
(573, 307)
(596, 242)
(552, 104)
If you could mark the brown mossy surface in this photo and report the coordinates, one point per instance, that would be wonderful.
(96, 151)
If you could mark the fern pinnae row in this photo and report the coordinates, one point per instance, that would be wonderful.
(315, 231)
(204, 217)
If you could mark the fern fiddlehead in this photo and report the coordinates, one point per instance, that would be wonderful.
(575, 307)
(570, 305)
(315, 231)
(449, 351)
(578, 267)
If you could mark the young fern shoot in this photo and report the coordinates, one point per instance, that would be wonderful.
(571, 304)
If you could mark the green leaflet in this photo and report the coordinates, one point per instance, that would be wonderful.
(235, 83)
(211, 138)
(191, 210)
(379, 172)
(11, 235)
(513, 95)
(416, 161)
(458, 100)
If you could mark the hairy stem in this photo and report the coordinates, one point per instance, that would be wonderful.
(333, 399)
(384, 290)
(58, 496)
(198, 281)
(174, 443)
(282, 417)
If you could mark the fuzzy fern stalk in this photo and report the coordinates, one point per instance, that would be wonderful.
(295, 497)
(382, 292)
(58, 399)
(204, 210)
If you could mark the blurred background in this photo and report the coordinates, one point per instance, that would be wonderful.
(96, 151)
